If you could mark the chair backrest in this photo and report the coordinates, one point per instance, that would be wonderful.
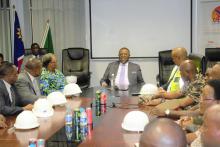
(198, 61)
(166, 65)
(43, 51)
(75, 61)
(212, 56)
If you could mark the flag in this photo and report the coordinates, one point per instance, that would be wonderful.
(47, 41)
(18, 44)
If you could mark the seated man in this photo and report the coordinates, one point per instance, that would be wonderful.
(10, 102)
(211, 73)
(211, 130)
(35, 53)
(193, 84)
(27, 84)
(125, 73)
(210, 96)
(163, 133)
(210, 133)
(175, 82)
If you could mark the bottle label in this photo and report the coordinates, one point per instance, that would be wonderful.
(68, 119)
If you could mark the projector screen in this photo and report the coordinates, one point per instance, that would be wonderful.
(144, 26)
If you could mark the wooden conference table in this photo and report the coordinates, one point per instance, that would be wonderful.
(107, 129)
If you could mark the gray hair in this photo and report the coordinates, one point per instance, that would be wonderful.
(47, 59)
(33, 63)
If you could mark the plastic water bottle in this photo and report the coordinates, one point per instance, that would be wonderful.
(83, 124)
(83, 117)
(69, 123)
(112, 80)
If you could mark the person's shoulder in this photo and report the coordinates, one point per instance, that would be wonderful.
(22, 76)
(133, 64)
(114, 63)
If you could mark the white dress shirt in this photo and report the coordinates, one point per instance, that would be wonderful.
(35, 84)
(118, 75)
(8, 87)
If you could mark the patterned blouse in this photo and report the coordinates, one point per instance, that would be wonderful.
(51, 81)
(194, 89)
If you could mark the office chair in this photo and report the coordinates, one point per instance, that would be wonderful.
(43, 51)
(166, 65)
(75, 61)
(198, 61)
(212, 56)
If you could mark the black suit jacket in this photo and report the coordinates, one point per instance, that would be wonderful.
(6, 106)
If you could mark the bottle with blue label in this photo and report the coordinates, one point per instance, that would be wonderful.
(69, 123)
(83, 124)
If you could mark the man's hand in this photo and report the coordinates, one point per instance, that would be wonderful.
(28, 107)
(104, 84)
(2, 122)
(160, 94)
(185, 121)
(158, 112)
(2, 118)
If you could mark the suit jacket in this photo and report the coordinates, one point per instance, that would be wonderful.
(134, 73)
(25, 86)
(6, 106)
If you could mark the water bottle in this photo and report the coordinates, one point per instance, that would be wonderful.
(112, 80)
(83, 117)
(83, 124)
(69, 123)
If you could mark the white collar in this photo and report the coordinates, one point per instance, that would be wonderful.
(7, 84)
(31, 77)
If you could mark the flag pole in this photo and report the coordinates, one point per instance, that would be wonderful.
(45, 34)
(13, 45)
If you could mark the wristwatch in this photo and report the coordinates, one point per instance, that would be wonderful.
(167, 112)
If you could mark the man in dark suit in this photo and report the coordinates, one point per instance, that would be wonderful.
(27, 84)
(10, 102)
(36, 52)
(124, 73)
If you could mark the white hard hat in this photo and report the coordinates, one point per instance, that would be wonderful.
(71, 79)
(56, 98)
(26, 120)
(71, 89)
(135, 121)
(43, 108)
(148, 89)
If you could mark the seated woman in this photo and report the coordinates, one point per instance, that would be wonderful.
(51, 79)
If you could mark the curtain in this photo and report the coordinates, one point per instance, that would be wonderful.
(5, 38)
(67, 23)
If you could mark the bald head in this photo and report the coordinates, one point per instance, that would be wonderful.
(211, 128)
(214, 72)
(163, 133)
(179, 54)
(188, 70)
(33, 67)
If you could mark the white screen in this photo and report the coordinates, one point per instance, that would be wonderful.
(143, 26)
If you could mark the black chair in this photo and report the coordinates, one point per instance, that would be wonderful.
(212, 56)
(166, 65)
(75, 61)
(43, 51)
(198, 61)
